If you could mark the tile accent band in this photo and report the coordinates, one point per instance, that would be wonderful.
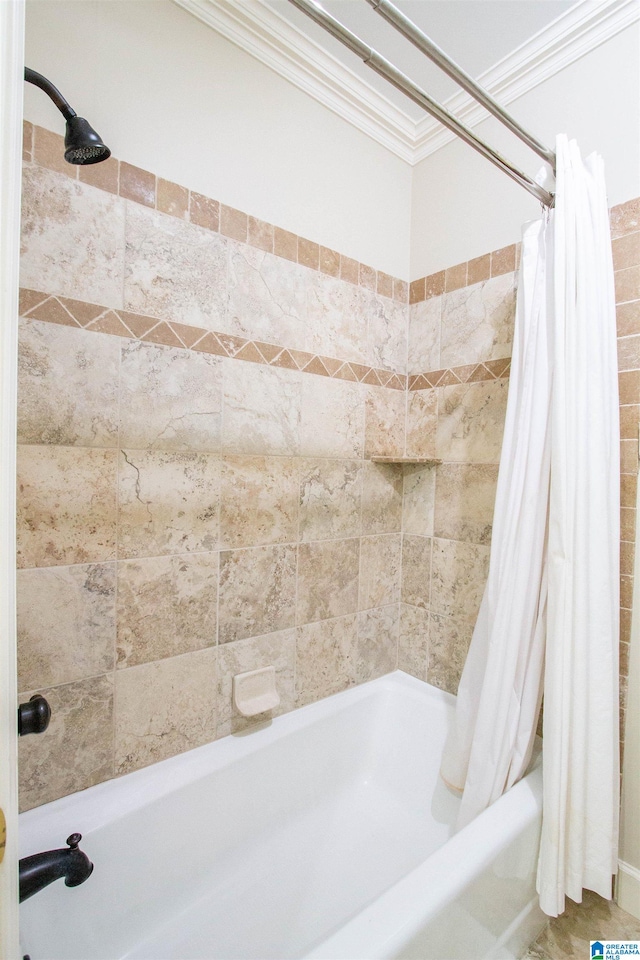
(46, 149)
(35, 305)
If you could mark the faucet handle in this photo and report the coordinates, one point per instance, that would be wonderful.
(74, 840)
(33, 716)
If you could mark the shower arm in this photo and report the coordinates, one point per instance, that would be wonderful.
(31, 76)
(382, 66)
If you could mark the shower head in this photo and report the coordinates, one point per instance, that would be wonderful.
(82, 143)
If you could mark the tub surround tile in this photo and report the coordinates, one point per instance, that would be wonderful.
(174, 269)
(67, 386)
(257, 591)
(503, 260)
(418, 500)
(455, 277)
(259, 501)
(273, 650)
(424, 335)
(381, 498)
(204, 212)
(164, 708)
(413, 641)
(471, 422)
(261, 410)
(326, 656)
(330, 498)
(137, 184)
(144, 188)
(336, 414)
(464, 500)
(422, 423)
(479, 269)
(170, 399)
(380, 568)
(66, 505)
(167, 503)
(377, 646)
(459, 574)
(173, 199)
(66, 624)
(336, 317)
(386, 332)
(385, 422)
(327, 579)
(76, 751)
(166, 607)
(332, 417)
(449, 640)
(267, 298)
(104, 175)
(477, 322)
(72, 238)
(97, 318)
(416, 570)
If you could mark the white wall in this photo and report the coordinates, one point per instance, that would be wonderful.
(170, 95)
(463, 206)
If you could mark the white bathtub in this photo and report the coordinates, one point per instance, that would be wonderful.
(324, 834)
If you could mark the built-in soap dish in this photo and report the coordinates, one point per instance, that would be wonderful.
(255, 692)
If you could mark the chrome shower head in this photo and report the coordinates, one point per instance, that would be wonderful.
(82, 144)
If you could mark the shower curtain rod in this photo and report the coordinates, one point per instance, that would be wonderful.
(386, 69)
(408, 29)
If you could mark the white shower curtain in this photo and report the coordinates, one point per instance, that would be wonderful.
(553, 574)
(581, 754)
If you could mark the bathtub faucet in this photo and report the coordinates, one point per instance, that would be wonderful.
(42, 869)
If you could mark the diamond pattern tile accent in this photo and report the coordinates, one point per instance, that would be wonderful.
(120, 323)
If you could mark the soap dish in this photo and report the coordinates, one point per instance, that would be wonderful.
(255, 692)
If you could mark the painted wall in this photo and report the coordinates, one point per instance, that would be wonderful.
(463, 205)
(172, 96)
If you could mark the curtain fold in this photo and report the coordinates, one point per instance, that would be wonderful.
(492, 737)
(581, 753)
(549, 614)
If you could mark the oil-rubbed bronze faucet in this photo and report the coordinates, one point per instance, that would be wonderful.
(42, 869)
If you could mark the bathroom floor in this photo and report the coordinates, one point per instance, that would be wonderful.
(567, 937)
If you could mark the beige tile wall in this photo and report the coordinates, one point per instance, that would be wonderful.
(194, 499)
(185, 516)
(460, 333)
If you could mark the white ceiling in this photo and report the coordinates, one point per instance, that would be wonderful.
(475, 33)
(511, 46)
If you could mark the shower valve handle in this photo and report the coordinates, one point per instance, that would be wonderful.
(33, 716)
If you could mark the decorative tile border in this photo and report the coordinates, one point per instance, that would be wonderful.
(493, 264)
(470, 373)
(120, 323)
(624, 220)
(46, 149)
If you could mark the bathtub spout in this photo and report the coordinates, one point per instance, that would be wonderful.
(42, 869)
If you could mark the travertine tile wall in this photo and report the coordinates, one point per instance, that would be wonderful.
(185, 515)
(196, 498)
(460, 331)
(459, 350)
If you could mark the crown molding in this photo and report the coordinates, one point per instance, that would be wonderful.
(270, 38)
(572, 35)
(260, 31)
